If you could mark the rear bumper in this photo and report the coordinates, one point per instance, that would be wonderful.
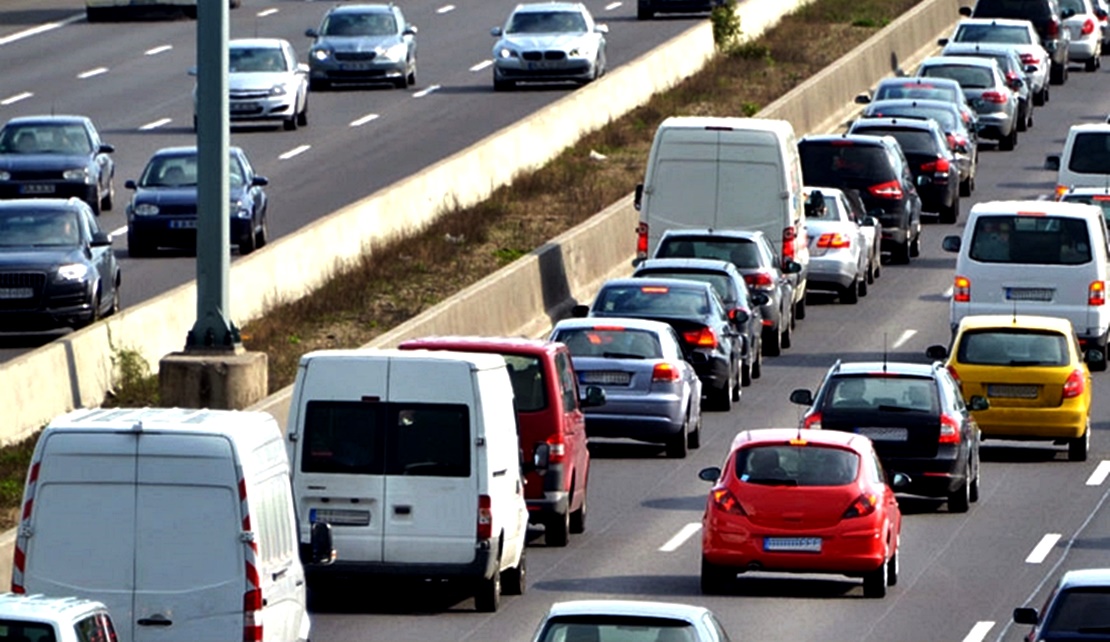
(484, 565)
(831, 273)
(1067, 421)
(848, 552)
(554, 503)
(654, 429)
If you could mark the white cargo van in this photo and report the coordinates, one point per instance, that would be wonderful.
(1034, 257)
(413, 458)
(726, 173)
(180, 521)
(1086, 158)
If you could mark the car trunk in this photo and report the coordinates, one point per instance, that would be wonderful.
(894, 433)
(1015, 387)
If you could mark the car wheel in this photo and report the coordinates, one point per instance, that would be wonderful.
(862, 288)
(959, 500)
(1038, 98)
(875, 582)
(787, 332)
(950, 213)
(137, 248)
(107, 201)
(116, 301)
(894, 564)
(878, 269)
(643, 12)
(800, 309)
(262, 236)
(1080, 446)
(556, 529)
(973, 491)
(965, 187)
(720, 399)
(1091, 64)
(746, 374)
(715, 579)
(915, 245)
(290, 124)
(1008, 143)
(1057, 73)
(1100, 364)
(902, 253)
(850, 292)
(195, 128)
(1023, 117)
(693, 439)
(773, 342)
(488, 595)
(94, 314)
(514, 580)
(318, 84)
(412, 77)
(502, 85)
(737, 382)
(1045, 95)
(677, 445)
(302, 118)
(248, 243)
(578, 517)
(757, 364)
(402, 82)
(97, 14)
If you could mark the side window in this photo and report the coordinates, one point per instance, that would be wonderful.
(567, 385)
(89, 629)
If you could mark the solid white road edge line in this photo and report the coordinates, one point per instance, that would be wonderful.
(157, 50)
(1043, 548)
(296, 151)
(155, 124)
(979, 632)
(482, 65)
(906, 336)
(447, 8)
(34, 31)
(10, 100)
(679, 539)
(92, 72)
(1100, 473)
(359, 122)
(425, 92)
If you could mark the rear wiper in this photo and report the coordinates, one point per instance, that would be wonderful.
(621, 355)
(772, 481)
(883, 408)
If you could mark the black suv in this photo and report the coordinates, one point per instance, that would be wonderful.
(916, 417)
(877, 168)
(1047, 18)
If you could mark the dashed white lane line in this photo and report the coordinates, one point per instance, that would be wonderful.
(34, 31)
(11, 100)
(92, 72)
(482, 65)
(296, 151)
(678, 540)
(118, 232)
(359, 122)
(155, 124)
(425, 92)
(1043, 548)
(903, 338)
(948, 292)
(266, 12)
(157, 50)
(447, 8)
(1100, 473)
(613, 5)
(979, 632)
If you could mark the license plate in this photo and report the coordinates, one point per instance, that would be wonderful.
(544, 65)
(16, 293)
(1011, 391)
(36, 189)
(183, 225)
(883, 434)
(1029, 294)
(339, 517)
(606, 377)
(357, 66)
(792, 544)
(241, 107)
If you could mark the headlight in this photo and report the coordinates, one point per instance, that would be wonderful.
(5, 176)
(76, 174)
(240, 210)
(505, 52)
(278, 90)
(321, 54)
(145, 209)
(72, 272)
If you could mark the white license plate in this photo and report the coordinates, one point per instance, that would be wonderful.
(357, 66)
(883, 434)
(16, 293)
(792, 544)
(1012, 391)
(183, 225)
(339, 517)
(241, 107)
(36, 189)
(543, 64)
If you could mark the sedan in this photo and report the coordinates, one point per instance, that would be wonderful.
(57, 268)
(927, 88)
(652, 393)
(629, 620)
(801, 501)
(838, 247)
(915, 415)
(1081, 19)
(265, 83)
(1019, 35)
(987, 91)
(56, 157)
(1078, 608)
(547, 42)
(1015, 72)
(365, 43)
(163, 210)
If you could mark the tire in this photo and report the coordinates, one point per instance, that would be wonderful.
(503, 85)
(715, 579)
(1040, 98)
(875, 582)
(693, 437)
(721, 398)
(514, 580)
(894, 565)
(772, 341)
(901, 254)
(97, 14)
(556, 530)
(315, 84)
(487, 597)
(850, 293)
(677, 445)
(644, 13)
(862, 288)
(800, 309)
(289, 124)
(950, 213)
(915, 246)
(1057, 74)
(1008, 143)
(973, 489)
(737, 382)
(116, 301)
(262, 236)
(94, 316)
(1080, 446)
(959, 500)
(1091, 64)
(746, 374)
(402, 82)
(757, 364)
(965, 187)
(578, 518)
(137, 248)
(1100, 365)
(787, 333)
(1023, 118)
(248, 244)
(302, 118)
(107, 201)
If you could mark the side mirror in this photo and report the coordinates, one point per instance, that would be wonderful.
(802, 397)
(495, 32)
(260, 181)
(791, 267)
(1029, 69)
(638, 196)
(978, 402)
(637, 261)
(1067, 13)
(899, 481)
(601, 28)
(950, 243)
(192, 71)
(1101, 14)
(942, 41)
(541, 458)
(1026, 615)
(580, 311)
(100, 239)
(711, 474)
(312, 33)
(409, 31)
(868, 221)
(105, 148)
(962, 148)
(1052, 161)
(936, 353)
(739, 316)
(1093, 356)
(130, 184)
(863, 99)
(759, 298)
(323, 551)
(965, 12)
(1016, 84)
(302, 68)
(595, 396)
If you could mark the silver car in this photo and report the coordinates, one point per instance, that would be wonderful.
(548, 42)
(838, 246)
(265, 83)
(1081, 19)
(987, 91)
(363, 43)
(620, 619)
(1022, 36)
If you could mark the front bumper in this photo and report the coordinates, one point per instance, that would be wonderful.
(49, 189)
(376, 70)
(573, 69)
(995, 124)
(268, 108)
(181, 231)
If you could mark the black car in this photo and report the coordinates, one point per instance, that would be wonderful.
(163, 210)
(710, 338)
(57, 268)
(743, 307)
(876, 166)
(917, 88)
(915, 415)
(56, 157)
(1047, 19)
(934, 167)
(646, 9)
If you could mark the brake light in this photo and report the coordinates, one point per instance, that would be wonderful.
(862, 506)
(955, 375)
(1096, 293)
(761, 280)
(1088, 27)
(485, 517)
(1075, 384)
(1053, 28)
(1028, 59)
(1060, 191)
(724, 500)
(252, 616)
(995, 97)
(812, 420)
(664, 372)
(834, 241)
(940, 166)
(701, 338)
(1011, 76)
(961, 290)
(788, 236)
(951, 141)
(556, 449)
(949, 430)
(889, 189)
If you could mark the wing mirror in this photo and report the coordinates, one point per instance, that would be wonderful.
(541, 458)
(1093, 356)
(965, 12)
(791, 267)
(863, 99)
(802, 397)
(495, 32)
(580, 311)
(1026, 615)
(636, 200)
(868, 221)
(739, 316)
(312, 33)
(942, 41)
(711, 474)
(978, 402)
(759, 298)
(936, 353)
(595, 396)
(951, 243)
(130, 184)
(100, 239)
(898, 481)
(1052, 161)
(601, 28)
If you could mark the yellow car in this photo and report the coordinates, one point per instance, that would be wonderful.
(1032, 372)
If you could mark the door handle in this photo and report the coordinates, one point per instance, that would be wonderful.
(277, 575)
(155, 620)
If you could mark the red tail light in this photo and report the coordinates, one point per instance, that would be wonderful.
(1096, 293)
(724, 500)
(951, 141)
(760, 280)
(939, 166)
(1028, 59)
(252, 616)
(834, 241)
(863, 506)
(889, 189)
(788, 236)
(812, 420)
(995, 97)
(949, 430)
(556, 449)
(956, 376)
(701, 338)
(485, 517)
(1075, 385)
(642, 240)
(1088, 27)
(1053, 28)
(961, 291)
(665, 372)
(1011, 76)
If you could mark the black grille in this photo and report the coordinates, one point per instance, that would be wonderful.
(36, 281)
(345, 56)
(36, 175)
(544, 55)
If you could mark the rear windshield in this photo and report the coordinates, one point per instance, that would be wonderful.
(1006, 34)
(921, 91)
(368, 438)
(882, 393)
(969, 77)
(1102, 200)
(797, 465)
(529, 387)
(1090, 153)
(1080, 610)
(722, 284)
(30, 631)
(1027, 9)
(1042, 240)
(652, 300)
(945, 118)
(827, 209)
(1013, 347)
(611, 343)
(742, 253)
(835, 164)
(616, 628)
(913, 141)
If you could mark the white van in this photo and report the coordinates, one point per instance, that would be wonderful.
(180, 521)
(1035, 257)
(726, 173)
(1086, 158)
(413, 458)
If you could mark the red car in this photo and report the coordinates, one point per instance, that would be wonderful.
(801, 501)
(549, 421)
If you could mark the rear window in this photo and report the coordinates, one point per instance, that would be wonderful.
(826, 164)
(617, 628)
(922, 91)
(992, 33)
(1102, 200)
(652, 300)
(1042, 240)
(30, 631)
(742, 253)
(881, 393)
(797, 465)
(913, 141)
(1080, 610)
(1013, 347)
(1027, 9)
(366, 438)
(529, 382)
(722, 284)
(945, 118)
(1090, 153)
(1078, 6)
(611, 343)
(969, 77)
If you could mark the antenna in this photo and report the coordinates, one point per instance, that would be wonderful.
(884, 352)
(1013, 319)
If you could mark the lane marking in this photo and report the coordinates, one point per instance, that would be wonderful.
(16, 98)
(613, 5)
(1042, 549)
(296, 151)
(122, 230)
(948, 292)
(156, 124)
(157, 50)
(979, 632)
(92, 72)
(266, 12)
(678, 540)
(359, 122)
(34, 31)
(906, 336)
(482, 65)
(447, 8)
(1100, 473)
(425, 92)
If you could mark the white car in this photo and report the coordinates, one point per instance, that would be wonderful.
(59, 619)
(265, 83)
(839, 247)
(548, 42)
(597, 620)
(1082, 20)
(1019, 34)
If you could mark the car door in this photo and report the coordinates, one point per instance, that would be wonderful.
(101, 255)
(783, 288)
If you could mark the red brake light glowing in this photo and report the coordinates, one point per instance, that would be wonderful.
(664, 372)
(949, 430)
(556, 449)
(788, 236)
(961, 290)
(724, 500)
(1075, 385)
(701, 338)
(1028, 59)
(1088, 27)
(761, 280)
(889, 189)
(655, 289)
(862, 506)
(1096, 293)
(834, 241)
(995, 97)
(940, 166)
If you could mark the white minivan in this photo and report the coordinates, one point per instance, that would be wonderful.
(726, 173)
(1035, 257)
(1085, 161)
(180, 521)
(413, 458)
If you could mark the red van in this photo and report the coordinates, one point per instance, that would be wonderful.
(550, 422)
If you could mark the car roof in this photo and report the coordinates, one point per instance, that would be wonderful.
(46, 609)
(188, 150)
(982, 321)
(978, 47)
(917, 80)
(760, 436)
(648, 281)
(958, 61)
(1086, 190)
(1085, 127)
(1085, 577)
(688, 612)
(44, 120)
(362, 8)
(860, 139)
(39, 204)
(914, 102)
(633, 323)
(549, 6)
(261, 43)
(703, 265)
(719, 123)
(516, 345)
(885, 367)
(1037, 208)
(900, 122)
(1001, 22)
(709, 231)
(825, 191)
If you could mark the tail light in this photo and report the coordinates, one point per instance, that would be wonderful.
(252, 615)
(665, 372)
(1096, 293)
(889, 189)
(812, 420)
(556, 449)
(1075, 384)
(485, 518)
(834, 241)
(1060, 191)
(949, 430)
(1052, 30)
(642, 240)
(1088, 27)
(939, 166)
(1028, 59)
(788, 236)
(862, 506)
(951, 141)
(701, 338)
(724, 500)
(1011, 76)
(995, 97)
(961, 290)
(956, 376)
(760, 280)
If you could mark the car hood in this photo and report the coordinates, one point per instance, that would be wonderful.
(563, 41)
(42, 162)
(355, 43)
(258, 80)
(176, 195)
(39, 258)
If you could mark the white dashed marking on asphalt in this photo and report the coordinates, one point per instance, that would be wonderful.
(482, 65)
(92, 72)
(613, 5)
(157, 50)
(296, 151)
(979, 631)
(425, 92)
(266, 12)
(447, 8)
(34, 31)
(11, 100)
(1043, 548)
(119, 232)
(365, 119)
(678, 540)
(906, 336)
(156, 124)
(1100, 473)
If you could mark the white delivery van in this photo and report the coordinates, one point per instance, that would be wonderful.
(1085, 161)
(180, 521)
(1034, 257)
(413, 458)
(726, 173)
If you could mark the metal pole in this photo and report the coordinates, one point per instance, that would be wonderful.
(213, 329)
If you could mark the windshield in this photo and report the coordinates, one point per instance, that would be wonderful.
(836, 164)
(1014, 347)
(944, 117)
(244, 60)
(181, 171)
(360, 24)
(1082, 610)
(652, 300)
(1090, 153)
(547, 22)
(22, 229)
(1102, 200)
(45, 139)
(721, 283)
(742, 253)
(913, 141)
(922, 91)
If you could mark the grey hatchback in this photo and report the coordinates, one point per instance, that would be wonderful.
(363, 43)
(987, 92)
